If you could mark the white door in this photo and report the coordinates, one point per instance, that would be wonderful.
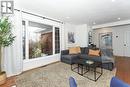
(127, 44)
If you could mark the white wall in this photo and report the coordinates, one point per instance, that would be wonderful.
(118, 42)
(81, 35)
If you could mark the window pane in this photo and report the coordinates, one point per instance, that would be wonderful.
(40, 40)
(57, 40)
(23, 37)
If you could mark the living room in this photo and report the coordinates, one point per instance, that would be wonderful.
(52, 41)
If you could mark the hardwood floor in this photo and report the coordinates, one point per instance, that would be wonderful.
(123, 68)
(10, 82)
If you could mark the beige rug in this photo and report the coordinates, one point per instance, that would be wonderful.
(57, 75)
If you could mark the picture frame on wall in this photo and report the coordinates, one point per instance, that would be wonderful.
(71, 37)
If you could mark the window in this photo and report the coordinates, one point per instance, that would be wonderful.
(37, 40)
(24, 37)
(57, 40)
(40, 40)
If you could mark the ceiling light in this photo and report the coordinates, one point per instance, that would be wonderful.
(113, 0)
(119, 18)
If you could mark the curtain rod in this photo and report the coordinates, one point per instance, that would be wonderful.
(40, 16)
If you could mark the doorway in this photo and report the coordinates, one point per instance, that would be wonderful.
(105, 40)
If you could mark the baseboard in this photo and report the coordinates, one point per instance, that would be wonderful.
(40, 67)
(121, 56)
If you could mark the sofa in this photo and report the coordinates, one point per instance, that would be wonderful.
(71, 58)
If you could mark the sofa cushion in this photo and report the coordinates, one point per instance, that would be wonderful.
(70, 56)
(84, 50)
(93, 58)
(83, 56)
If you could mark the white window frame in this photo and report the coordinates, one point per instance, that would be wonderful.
(27, 39)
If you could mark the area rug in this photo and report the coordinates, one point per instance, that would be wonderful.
(57, 75)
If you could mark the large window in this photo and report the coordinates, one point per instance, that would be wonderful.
(37, 39)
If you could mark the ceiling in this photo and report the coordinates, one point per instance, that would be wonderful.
(80, 11)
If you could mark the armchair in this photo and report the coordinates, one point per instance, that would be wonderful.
(115, 82)
(72, 82)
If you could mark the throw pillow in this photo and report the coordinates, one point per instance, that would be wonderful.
(74, 50)
(94, 52)
(78, 49)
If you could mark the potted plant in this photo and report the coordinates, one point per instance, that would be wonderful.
(6, 39)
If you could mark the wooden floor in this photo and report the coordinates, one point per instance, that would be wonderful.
(122, 65)
(123, 68)
(10, 82)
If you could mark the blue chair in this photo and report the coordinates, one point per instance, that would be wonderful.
(115, 82)
(72, 82)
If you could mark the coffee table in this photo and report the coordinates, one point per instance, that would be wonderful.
(85, 65)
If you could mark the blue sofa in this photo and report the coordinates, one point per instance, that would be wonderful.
(71, 58)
